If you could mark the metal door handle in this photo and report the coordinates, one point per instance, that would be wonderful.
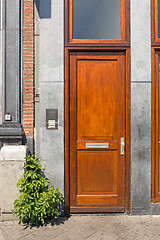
(122, 146)
(97, 145)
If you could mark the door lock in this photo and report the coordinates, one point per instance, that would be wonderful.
(122, 146)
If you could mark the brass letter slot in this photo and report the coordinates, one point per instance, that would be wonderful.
(97, 145)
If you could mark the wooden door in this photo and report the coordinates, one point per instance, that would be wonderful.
(97, 124)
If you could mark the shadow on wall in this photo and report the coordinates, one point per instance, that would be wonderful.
(43, 8)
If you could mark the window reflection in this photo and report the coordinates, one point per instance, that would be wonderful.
(96, 19)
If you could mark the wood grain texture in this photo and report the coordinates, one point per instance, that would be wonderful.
(155, 50)
(66, 132)
(155, 4)
(122, 26)
(67, 103)
(97, 112)
(155, 128)
(96, 209)
(154, 23)
(128, 132)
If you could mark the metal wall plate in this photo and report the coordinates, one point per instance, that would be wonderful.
(97, 145)
(52, 119)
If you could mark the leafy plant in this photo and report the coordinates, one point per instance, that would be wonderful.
(37, 200)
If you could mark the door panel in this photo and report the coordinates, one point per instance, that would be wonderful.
(92, 167)
(97, 124)
(96, 98)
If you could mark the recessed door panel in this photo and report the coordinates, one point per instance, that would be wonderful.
(95, 173)
(97, 124)
(98, 100)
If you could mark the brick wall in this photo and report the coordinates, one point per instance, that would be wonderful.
(28, 68)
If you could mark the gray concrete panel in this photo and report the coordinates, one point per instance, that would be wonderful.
(140, 40)
(11, 172)
(52, 141)
(12, 14)
(140, 106)
(10, 55)
(52, 43)
(12, 73)
(11, 169)
(3, 15)
(51, 67)
(140, 147)
(13, 153)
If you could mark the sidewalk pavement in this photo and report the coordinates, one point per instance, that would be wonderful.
(90, 227)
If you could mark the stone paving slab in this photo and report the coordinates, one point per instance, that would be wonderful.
(90, 227)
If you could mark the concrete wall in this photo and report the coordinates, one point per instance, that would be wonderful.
(51, 67)
(140, 106)
(51, 75)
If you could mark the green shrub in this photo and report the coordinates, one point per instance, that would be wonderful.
(37, 200)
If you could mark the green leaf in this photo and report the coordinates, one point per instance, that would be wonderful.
(37, 200)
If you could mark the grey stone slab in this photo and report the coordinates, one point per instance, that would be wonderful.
(52, 61)
(36, 17)
(55, 9)
(14, 153)
(3, 15)
(140, 147)
(52, 97)
(2, 73)
(10, 174)
(140, 40)
(12, 77)
(52, 141)
(123, 227)
(12, 12)
(52, 152)
(10, 58)
(51, 75)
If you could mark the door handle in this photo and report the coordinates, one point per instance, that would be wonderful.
(122, 146)
(97, 145)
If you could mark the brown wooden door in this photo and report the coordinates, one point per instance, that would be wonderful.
(97, 124)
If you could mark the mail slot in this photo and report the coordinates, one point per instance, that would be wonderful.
(97, 145)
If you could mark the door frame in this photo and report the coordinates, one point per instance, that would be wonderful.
(109, 46)
(67, 123)
(155, 196)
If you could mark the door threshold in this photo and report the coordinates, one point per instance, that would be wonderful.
(97, 210)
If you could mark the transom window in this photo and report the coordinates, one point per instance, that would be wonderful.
(96, 19)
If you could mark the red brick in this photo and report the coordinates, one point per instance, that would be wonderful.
(28, 67)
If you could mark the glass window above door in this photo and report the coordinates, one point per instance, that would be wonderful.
(96, 19)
